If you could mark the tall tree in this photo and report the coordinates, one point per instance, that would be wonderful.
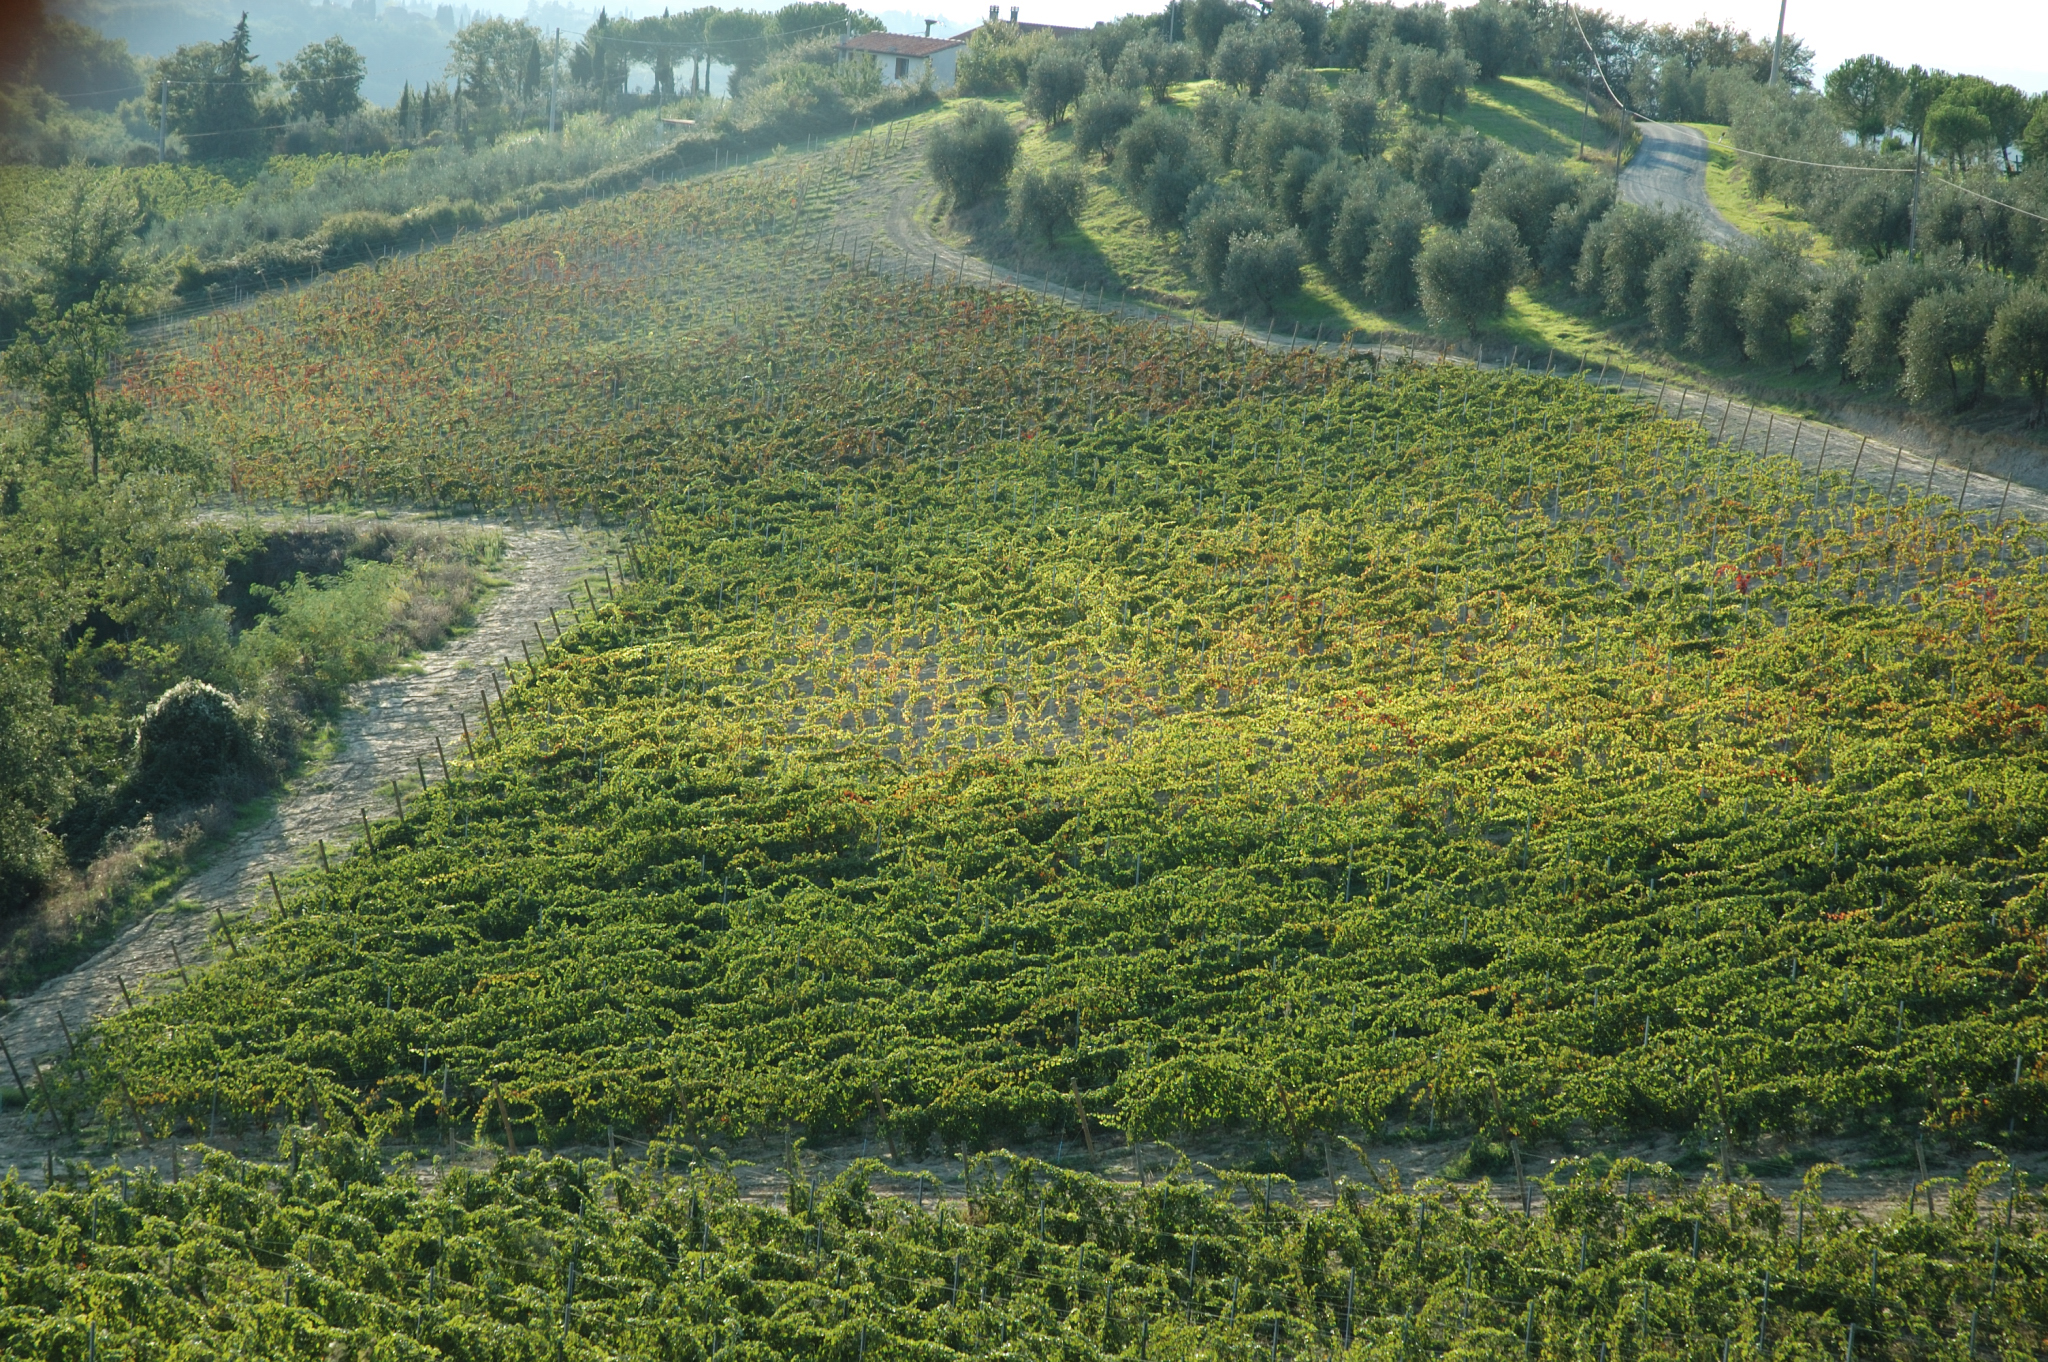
(1862, 93)
(326, 78)
(214, 95)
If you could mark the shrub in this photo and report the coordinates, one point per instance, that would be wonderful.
(1224, 212)
(1260, 268)
(1389, 273)
(1944, 345)
(1527, 191)
(1101, 117)
(1161, 165)
(1058, 78)
(191, 740)
(1044, 203)
(33, 777)
(1714, 304)
(2017, 346)
(970, 154)
(1831, 318)
(1564, 242)
(361, 230)
(1463, 276)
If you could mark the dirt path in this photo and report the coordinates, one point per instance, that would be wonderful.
(1669, 170)
(389, 726)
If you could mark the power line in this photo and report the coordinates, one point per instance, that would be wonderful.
(1888, 170)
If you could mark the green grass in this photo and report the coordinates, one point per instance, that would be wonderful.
(1731, 198)
(1537, 118)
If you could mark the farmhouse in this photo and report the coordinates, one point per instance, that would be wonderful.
(904, 60)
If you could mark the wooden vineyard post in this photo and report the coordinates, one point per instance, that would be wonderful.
(446, 779)
(19, 1086)
(276, 894)
(1087, 1133)
(125, 998)
(504, 1115)
(225, 930)
(489, 724)
(369, 841)
(325, 869)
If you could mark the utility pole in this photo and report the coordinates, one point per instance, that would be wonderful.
(1778, 47)
(1913, 221)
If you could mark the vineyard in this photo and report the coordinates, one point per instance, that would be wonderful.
(1013, 725)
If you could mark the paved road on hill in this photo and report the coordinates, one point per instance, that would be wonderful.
(1669, 170)
(387, 731)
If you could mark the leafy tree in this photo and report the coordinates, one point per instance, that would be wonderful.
(1957, 129)
(1527, 191)
(1310, 19)
(2034, 141)
(1943, 345)
(1057, 79)
(1445, 166)
(1615, 262)
(1259, 269)
(1044, 203)
(971, 153)
(2017, 346)
(2004, 107)
(1388, 277)
(1208, 20)
(1666, 288)
(1322, 201)
(1776, 294)
(1247, 54)
(63, 358)
(1919, 88)
(1495, 36)
(214, 99)
(1357, 114)
(326, 79)
(77, 64)
(1101, 116)
(1873, 214)
(1463, 275)
(1565, 242)
(1222, 213)
(489, 56)
(1268, 133)
(1714, 304)
(1161, 164)
(1862, 92)
(1437, 82)
(1352, 232)
(1831, 317)
(1889, 290)
(1151, 63)
(85, 246)
(1296, 87)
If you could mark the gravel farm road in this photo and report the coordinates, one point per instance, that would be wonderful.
(1669, 170)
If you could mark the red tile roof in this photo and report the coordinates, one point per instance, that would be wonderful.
(896, 44)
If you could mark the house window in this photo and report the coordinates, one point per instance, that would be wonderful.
(903, 68)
